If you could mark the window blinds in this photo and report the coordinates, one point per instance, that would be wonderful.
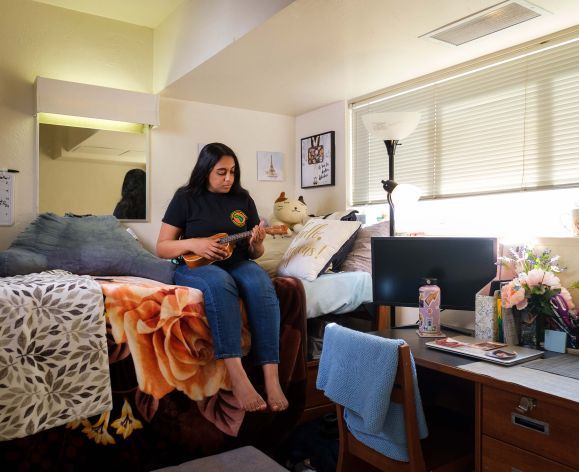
(506, 127)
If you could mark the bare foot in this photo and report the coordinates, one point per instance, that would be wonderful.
(242, 388)
(275, 396)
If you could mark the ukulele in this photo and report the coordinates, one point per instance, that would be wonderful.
(193, 260)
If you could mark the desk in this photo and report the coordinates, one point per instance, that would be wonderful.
(542, 439)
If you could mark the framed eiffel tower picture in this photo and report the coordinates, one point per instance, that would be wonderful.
(270, 166)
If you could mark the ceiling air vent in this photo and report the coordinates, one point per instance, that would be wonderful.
(485, 22)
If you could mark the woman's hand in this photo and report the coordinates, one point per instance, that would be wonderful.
(256, 241)
(209, 248)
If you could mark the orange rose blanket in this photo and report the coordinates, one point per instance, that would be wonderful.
(168, 336)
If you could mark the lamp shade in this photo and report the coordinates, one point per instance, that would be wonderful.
(391, 125)
(405, 194)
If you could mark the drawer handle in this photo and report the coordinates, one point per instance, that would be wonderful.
(530, 423)
(526, 405)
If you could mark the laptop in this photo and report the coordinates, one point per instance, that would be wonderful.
(489, 351)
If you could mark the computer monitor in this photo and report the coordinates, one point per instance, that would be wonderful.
(462, 267)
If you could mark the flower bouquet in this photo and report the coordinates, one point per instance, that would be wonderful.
(537, 297)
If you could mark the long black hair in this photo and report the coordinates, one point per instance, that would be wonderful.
(133, 196)
(208, 157)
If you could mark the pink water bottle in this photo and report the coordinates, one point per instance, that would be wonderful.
(429, 308)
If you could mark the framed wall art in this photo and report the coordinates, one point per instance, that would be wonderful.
(318, 160)
(270, 166)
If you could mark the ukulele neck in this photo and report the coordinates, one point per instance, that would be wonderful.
(234, 237)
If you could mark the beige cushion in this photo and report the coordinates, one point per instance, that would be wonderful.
(275, 247)
(313, 248)
(360, 258)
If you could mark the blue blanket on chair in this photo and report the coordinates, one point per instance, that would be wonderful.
(357, 371)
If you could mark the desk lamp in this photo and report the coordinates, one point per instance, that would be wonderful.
(391, 127)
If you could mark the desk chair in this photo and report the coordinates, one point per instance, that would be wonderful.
(438, 452)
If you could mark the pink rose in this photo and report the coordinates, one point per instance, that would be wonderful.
(512, 294)
(536, 277)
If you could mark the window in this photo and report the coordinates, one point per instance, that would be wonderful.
(508, 126)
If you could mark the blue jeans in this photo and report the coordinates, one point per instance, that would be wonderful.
(222, 288)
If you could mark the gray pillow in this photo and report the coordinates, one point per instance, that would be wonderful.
(92, 245)
(360, 257)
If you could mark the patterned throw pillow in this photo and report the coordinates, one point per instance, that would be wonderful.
(314, 247)
(91, 245)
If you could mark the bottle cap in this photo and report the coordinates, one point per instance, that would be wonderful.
(430, 280)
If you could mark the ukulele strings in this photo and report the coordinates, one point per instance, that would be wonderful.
(234, 237)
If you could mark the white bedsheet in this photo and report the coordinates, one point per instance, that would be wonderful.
(337, 293)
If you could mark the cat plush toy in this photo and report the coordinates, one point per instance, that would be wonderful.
(292, 213)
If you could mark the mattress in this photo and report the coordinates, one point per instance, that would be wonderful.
(337, 293)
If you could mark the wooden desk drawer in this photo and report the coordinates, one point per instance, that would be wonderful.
(501, 457)
(548, 430)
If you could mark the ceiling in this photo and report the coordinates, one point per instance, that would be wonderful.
(316, 52)
(149, 13)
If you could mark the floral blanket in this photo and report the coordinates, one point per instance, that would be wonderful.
(168, 336)
(163, 379)
(53, 352)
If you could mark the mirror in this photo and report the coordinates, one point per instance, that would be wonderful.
(93, 171)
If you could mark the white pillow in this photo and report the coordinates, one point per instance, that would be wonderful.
(312, 249)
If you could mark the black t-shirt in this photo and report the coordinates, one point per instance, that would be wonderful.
(210, 213)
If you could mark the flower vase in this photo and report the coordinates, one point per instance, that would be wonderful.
(531, 329)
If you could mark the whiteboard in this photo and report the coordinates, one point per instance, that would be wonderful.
(6, 199)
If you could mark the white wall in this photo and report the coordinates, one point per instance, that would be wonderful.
(174, 150)
(199, 29)
(41, 40)
(332, 117)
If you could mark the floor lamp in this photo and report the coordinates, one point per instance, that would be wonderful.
(391, 127)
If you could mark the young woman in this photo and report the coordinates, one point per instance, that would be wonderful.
(214, 202)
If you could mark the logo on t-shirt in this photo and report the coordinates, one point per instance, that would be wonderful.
(238, 218)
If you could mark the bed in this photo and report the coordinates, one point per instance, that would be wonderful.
(166, 409)
(150, 428)
(343, 292)
(63, 364)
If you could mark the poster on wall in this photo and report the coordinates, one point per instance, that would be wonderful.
(270, 166)
(317, 156)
